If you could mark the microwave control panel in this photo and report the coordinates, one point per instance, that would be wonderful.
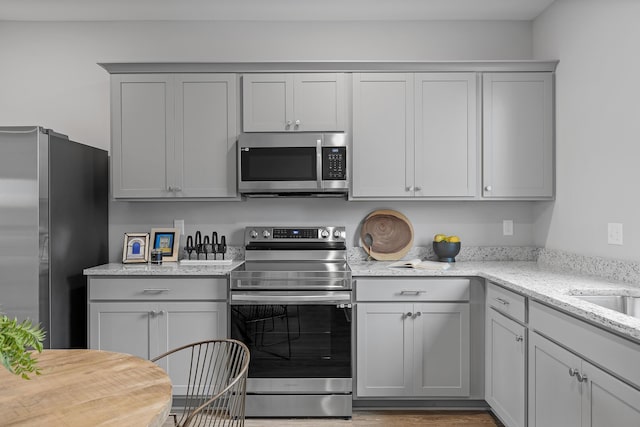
(334, 163)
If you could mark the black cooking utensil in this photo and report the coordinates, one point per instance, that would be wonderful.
(204, 246)
(189, 247)
(215, 245)
(198, 242)
(223, 246)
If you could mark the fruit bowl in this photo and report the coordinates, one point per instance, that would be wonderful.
(446, 251)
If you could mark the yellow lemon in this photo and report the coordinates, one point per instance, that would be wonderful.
(439, 238)
(453, 239)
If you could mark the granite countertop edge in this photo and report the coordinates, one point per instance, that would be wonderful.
(553, 287)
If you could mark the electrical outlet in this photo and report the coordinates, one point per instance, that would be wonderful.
(614, 233)
(179, 223)
(507, 227)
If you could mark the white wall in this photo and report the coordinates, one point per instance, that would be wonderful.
(49, 77)
(597, 128)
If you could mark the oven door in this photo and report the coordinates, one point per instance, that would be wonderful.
(300, 342)
(279, 163)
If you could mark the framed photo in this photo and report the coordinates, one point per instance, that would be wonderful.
(136, 247)
(168, 241)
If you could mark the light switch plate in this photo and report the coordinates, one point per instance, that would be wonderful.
(614, 233)
(179, 223)
(507, 227)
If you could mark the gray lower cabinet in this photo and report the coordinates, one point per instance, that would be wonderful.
(149, 316)
(505, 380)
(505, 355)
(566, 390)
(173, 135)
(412, 349)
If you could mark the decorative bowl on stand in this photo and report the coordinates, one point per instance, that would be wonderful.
(446, 251)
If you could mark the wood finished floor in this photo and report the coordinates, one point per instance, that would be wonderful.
(386, 419)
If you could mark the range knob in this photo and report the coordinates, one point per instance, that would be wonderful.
(266, 234)
(324, 233)
(254, 234)
(337, 234)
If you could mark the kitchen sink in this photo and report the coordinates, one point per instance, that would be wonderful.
(629, 305)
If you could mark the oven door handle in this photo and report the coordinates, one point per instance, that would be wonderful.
(288, 298)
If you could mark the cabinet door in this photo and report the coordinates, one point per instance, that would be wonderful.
(383, 135)
(181, 323)
(608, 401)
(518, 135)
(141, 134)
(267, 102)
(319, 102)
(205, 158)
(554, 394)
(124, 327)
(384, 347)
(505, 368)
(441, 349)
(445, 135)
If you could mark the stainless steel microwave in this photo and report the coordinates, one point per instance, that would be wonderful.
(271, 164)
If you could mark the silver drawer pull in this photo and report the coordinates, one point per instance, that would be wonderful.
(502, 301)
(412, 292)
(155, 290)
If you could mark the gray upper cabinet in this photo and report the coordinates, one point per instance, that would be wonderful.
(414, 135)
(173, 135)
(518, 136)
(446, 135)
(382, 135)
(293, 102)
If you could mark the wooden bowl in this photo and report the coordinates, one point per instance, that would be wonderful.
(392, 235)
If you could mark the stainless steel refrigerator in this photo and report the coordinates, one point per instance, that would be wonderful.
(53, 224)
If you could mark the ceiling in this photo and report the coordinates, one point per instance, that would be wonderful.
(271, 10)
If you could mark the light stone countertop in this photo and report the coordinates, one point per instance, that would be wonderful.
(543, 284)
(546, 284)
(164, 269)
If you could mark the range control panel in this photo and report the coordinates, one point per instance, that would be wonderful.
(295, 234)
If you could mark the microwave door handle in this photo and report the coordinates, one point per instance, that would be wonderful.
(319, 161)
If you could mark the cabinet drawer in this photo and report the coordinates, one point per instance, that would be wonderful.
(417, 289)
(157, 288)
(506, 302)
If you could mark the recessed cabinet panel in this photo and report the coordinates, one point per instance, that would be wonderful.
(505, 370)
(518, 135)
(446, 135)
(441, 352)
(267, 102)
(383, 340)
(142, 113)
(382, 135)
(205, 135)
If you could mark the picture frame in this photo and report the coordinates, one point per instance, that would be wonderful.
(135, 248)
(168, 241)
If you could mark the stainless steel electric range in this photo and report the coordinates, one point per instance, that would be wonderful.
(291, 303)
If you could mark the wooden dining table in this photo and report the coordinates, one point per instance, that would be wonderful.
(86, 388)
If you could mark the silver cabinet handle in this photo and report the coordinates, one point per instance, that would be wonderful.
(519, 338)
(177, 188)
(410, 188)
(412, 292)
(418, 314)
(582, 378)
(153, 313)
(573, 372)
(297, 122)
(155, 290)
(409, 314)
(487, 188)
(418, 188)
(502, 301)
